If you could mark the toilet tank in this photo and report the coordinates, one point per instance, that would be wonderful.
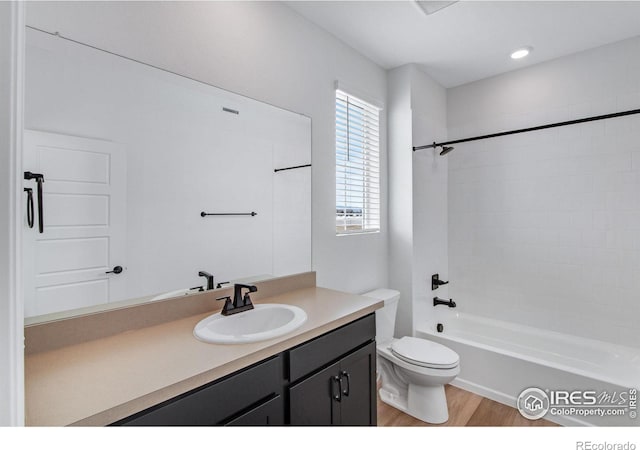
(385, 316)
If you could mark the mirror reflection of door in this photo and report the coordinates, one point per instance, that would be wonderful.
(84, 208)
(188, 147)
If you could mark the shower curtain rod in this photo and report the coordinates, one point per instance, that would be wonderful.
(524, 130)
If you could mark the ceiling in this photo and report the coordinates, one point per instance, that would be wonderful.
(471, 40)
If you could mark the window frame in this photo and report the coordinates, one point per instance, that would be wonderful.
(369, 169)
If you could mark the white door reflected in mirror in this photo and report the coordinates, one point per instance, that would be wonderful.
(187, 147)
(84, 206)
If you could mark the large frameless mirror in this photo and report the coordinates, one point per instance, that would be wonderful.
(155, 185)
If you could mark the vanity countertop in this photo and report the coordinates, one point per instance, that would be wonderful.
(98, 382)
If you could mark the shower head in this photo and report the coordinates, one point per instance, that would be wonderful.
(445, 150)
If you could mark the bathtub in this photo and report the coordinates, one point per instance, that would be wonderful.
(500, 359)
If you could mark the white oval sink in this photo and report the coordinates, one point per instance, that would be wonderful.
(264, 322)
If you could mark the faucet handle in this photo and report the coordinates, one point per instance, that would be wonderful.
(436, 282)
(228, 305)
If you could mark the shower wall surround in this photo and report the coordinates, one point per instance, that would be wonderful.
(544, 227)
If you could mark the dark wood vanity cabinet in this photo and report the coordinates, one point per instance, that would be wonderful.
(270, 412)
(251, 396)
(341, 394)
(333, 377)
(329, 380)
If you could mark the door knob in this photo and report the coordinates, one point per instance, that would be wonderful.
(116, 270)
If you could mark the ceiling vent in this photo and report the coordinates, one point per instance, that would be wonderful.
(429, 7)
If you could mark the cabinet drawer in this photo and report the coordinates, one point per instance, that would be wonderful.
(312, 355)
(215, 402)
(268, 413)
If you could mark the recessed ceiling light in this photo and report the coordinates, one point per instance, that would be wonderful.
(521, 53)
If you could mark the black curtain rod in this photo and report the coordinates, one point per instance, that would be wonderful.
(525, 130)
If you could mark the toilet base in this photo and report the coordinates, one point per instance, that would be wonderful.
(415, 390)
(426, 403)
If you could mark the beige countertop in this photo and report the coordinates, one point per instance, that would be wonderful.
(104, 380)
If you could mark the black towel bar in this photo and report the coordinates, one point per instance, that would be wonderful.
(292, 167)
(205, 214)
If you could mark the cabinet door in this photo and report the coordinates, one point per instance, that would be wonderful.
(268, 413)
(312, 355)
(357, 379)
(313, 400)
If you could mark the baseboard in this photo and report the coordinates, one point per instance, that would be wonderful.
(510, 400)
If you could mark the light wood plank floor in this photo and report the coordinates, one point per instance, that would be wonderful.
(465, 410)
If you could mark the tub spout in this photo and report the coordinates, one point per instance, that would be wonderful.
(438, 301)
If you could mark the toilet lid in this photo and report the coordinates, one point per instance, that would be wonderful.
(424, 353)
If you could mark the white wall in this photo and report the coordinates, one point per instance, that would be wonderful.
(417, 192)
(263, 50)
(430, 170)
(11, 357)
(544, 227)
(400, 195)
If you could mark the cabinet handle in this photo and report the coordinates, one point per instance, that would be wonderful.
(345, 374)
(335, 383)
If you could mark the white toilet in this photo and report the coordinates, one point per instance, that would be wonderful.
(413, 370)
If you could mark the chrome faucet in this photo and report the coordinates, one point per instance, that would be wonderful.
(209, 277)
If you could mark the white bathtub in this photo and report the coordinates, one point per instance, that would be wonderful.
(500, 359)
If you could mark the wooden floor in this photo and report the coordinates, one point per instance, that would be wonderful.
(465, 410)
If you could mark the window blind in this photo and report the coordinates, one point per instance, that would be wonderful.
(357, 165)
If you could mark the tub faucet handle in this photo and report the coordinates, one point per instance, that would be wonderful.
(436, 282)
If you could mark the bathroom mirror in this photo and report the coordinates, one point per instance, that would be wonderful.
(134, 159)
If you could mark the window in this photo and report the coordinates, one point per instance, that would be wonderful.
(357, 165)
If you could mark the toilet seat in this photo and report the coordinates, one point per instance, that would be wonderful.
(423, 353)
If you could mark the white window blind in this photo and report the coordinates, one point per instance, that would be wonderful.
(357, 165)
